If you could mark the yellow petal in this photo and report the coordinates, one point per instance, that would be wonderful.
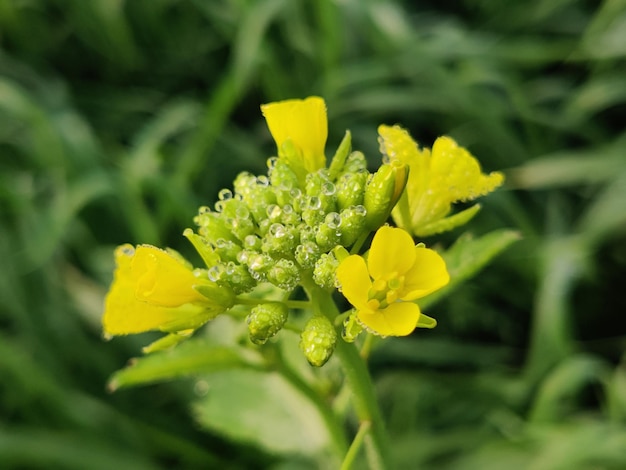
(305, 123)
(460, 172)
(392, 252)
(125, 314)
(398, 319)
(162, 279)
(428, 274)
(354, 280)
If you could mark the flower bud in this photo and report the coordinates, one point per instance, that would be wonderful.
(319, 185)
(282, 176)
(355, 162)
(351, 189)
(352, 224)
(265, 321)
(237, 217)
(212, 226)
(227, 249)
(328, 234)
(284, 274)
(324, 271)
(382, 193)
(318, 340)
(237, 277)
(307, 254)
(339, 159)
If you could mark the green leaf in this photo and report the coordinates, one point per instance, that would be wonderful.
(262, 409)
(193, 357)
(468, 256)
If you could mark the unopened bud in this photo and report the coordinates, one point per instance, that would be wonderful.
(265, 321)
(351, 189)
(352, 224)
(284, 274)
(324, 272)
(382, 193)
(318, 340)
(339, 159)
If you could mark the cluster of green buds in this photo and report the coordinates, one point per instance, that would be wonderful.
(293, 227)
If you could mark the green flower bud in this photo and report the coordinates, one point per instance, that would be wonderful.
(257, 194)
(307, 254)
(328, 234)
(324, 271)
(281, 175)
(352, 224)
(318, 340)
(227, 249)
(258, 265)
(289, 216)
(355, 162)
(265, 321)
(382, 193)
(212, 226)
(284, 274)
(237, 277)
(237, 217)
(339, 159)
(279, 239)
(351, 189)
(312, 211)
(319, 185)
(307, 233)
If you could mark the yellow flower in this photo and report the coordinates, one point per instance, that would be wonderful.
(437, 179)
(300, 129)
(154, 290)
(396, 273)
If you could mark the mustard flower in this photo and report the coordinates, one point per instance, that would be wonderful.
(300, 129)
(154, 290)
(437, 179)
(383, 288)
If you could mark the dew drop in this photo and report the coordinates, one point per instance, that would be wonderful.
(360, 210)
(225, 194)
(314, 203)
(328, 189)
(333, 220)
(271, 162)
(215, 272)
(273, 211)
(277, 230)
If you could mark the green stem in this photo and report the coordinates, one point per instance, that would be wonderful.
(359, 381)
(356, 445)
(333, 425)
(296, 304)
(359, 242)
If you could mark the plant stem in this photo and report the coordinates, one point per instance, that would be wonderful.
(360, 383)
(356, 445)
(295, 304)
(332, 423)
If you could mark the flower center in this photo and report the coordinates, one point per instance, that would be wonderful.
(385, 291)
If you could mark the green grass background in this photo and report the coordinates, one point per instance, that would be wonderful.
(118, 118)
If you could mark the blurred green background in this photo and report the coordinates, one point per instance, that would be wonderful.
(118, 118)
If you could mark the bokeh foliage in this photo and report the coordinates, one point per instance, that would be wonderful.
(117, 119)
